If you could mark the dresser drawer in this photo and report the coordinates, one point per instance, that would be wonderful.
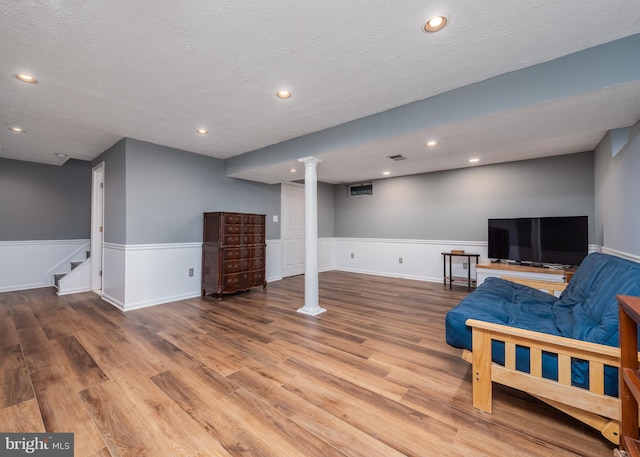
(230, 229)
(232, 239)
(254, 238)
(256, 263)
(234, 266)
(251, 252)
(232, 218)
(255, 278)
(254, 229)
(232, 282)
(255, 219)
(231, 253)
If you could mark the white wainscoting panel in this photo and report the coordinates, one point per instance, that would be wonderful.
(138, 276)
(421, 259)
(326, 250)
(31, 264)
(113, 274)
(159, 273)
(273, 268)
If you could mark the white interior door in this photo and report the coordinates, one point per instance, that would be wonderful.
(97, 224)
(292, 229)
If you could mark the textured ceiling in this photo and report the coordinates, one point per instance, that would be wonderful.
(158, 70)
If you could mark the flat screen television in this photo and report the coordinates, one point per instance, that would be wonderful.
(539, 240)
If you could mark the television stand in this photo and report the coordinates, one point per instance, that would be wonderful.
(523, 263)
(485, 270)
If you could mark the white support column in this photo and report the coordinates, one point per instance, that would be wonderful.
(311, 296)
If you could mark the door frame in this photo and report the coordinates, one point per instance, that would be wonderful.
(97, 226)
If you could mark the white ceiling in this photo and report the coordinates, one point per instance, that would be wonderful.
(158, 70)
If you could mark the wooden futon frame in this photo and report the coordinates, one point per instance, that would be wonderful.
(591, 406)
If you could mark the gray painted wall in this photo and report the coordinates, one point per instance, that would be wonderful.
(115, 192)
(155, 194)
(455, 205)
(169, 189)
(617, 188)
(45, 202)
(326, 213)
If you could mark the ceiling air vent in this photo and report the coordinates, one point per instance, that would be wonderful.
(356, 190)
(397, 157)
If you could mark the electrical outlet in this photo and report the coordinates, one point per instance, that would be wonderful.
(352, 256)
(190, 271)
(399, 259)
(465, 266)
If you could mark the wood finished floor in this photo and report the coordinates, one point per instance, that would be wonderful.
(248, 376)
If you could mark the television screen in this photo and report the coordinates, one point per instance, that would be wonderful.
(539, 240)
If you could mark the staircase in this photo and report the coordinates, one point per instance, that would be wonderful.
(78, 279)
(74, 265)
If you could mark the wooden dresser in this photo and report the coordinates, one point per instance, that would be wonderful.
(233, 252)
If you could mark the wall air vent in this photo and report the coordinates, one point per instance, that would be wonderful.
(356, 190)
(397, 157)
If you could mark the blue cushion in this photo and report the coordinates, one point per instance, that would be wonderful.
(587, 310)
(501, 302)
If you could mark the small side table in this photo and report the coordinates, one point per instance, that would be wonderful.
(450, 277)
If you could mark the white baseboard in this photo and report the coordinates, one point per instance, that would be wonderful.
(113, 301)
(160, 301)
(387, 275)
(24, 287)
(75, 290)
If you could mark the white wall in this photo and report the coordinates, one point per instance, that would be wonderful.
(32, 264)
(146, 275)
(114, 274)
(138, 276)
(421, 259)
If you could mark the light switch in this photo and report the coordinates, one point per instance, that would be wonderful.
(275, 218)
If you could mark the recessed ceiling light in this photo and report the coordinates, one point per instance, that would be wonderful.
(60, 155)
(435, 23)
(386, 173)
(26, 78)
(283, 94)
(474, 160)
(202, 132)
(293, 170)
(431, 143)
(16, 129)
